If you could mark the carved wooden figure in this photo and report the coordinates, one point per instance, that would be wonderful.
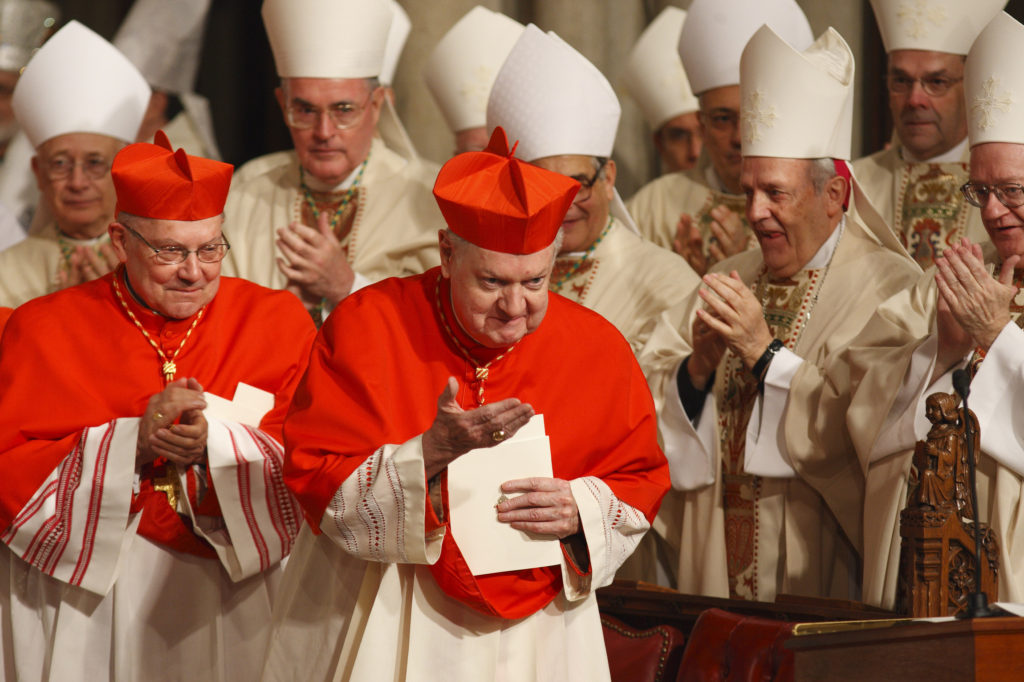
(937, 566)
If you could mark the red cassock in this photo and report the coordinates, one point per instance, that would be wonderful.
(383, 358)
(74, 360)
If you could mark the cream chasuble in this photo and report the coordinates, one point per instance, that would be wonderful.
(626, 279)
(922, 202)
(761, 505)
(891, 362)
(29, 268)
(393, 231)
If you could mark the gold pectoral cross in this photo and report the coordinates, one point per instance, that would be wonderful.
(169, 484)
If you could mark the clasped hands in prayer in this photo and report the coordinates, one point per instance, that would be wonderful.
(86, 264)
(315, 262)
(732, 319)
(729, 237)
(973, 306)
(183, 443)
(544, 506)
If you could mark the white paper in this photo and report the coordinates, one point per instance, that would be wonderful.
(474, 486)
(248, 407)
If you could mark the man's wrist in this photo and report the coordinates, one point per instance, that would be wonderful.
(760, 368)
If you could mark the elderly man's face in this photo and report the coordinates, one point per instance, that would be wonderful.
(927, 125)
(328, 153)
(588, 215)
(997, 163)
(176, 291)
(720, 130)
(73, 175)
(498, 298)
(790, 219)
(679, 142)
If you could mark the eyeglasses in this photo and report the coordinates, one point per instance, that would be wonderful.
(936, 86)
(62, 166)
(1009, 194)
(173, 255)
(587, 184)
(344, 115)
(721, 119)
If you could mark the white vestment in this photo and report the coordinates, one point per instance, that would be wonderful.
(373, 611)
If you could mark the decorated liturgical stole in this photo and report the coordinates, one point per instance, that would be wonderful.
(573, 275)
(787, 305)
(735, 203)
(930, 207)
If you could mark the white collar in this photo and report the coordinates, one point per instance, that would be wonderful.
(319, 186)
(824, 254)
(952, 156)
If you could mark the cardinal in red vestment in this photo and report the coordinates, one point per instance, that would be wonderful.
(409, 375)
(143, 512)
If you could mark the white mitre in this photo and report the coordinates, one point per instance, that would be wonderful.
(401, 26)
(933, 25)
(994, 83)
(716, 31)
(24, 25)
(327, 38)
(553, 101)
(79, 83)
(163, 39)
(778, 81)
(654, 75)
(461, 70)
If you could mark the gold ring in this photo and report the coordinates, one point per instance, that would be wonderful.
(499, 435)
(158, 416)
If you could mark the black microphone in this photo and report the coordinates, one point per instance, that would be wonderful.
(977, 601)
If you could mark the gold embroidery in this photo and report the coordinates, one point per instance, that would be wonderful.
(932, 211)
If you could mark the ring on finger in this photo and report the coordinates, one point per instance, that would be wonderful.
(499, 435)
(158, 416)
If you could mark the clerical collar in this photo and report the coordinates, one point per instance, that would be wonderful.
(318, 185)
(954, 155)
(824, 254)
(76, 241)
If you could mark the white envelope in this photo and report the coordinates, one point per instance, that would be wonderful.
(474, 486)
(248, 407)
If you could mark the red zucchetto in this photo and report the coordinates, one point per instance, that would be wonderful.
(500, 203)
(154, 181)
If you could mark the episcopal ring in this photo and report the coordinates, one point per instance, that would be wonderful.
(499, 435)
(158, 417)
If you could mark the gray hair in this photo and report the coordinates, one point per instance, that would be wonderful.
(820, 171)
(459, 244)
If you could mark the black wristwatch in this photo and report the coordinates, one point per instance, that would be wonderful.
(760, 368)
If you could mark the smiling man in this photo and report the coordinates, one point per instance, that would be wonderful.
(143, 509)
(602, 263)
(699, 213)
(341, 209)
(445, 364)
(79, 100)
(964, 313)
(915, 182)
(757, 509)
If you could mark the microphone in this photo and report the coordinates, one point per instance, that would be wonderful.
(977, 601)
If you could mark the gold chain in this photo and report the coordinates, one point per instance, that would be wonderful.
(482, 371)
(169, 368)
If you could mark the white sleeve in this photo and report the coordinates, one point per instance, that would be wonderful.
(690, 450)
(77, 525)
(378, 512)
(612, 529)
(261, 518)
(766, 453)
(997, 398)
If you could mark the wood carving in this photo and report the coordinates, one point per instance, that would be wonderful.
(937, 566)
